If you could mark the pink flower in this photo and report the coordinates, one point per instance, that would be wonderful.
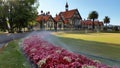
(47, 55)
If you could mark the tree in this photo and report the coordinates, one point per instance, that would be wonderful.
(18, 13)
(106, 20)
(93, 15)
(3, 14)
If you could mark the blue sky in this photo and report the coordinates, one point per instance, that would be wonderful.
(104, 8)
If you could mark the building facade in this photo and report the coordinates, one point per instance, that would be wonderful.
(87, 24)
(46, 22)
(66, 20)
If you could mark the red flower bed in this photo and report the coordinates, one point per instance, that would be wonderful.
(47, 55)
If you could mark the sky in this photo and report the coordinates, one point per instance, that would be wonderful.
(110, 8)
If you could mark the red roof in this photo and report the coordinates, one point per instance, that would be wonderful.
(86, 22)
(65, 21)
(89, 22)
(39, 18)
(46, 18)
(68, 14)
(43, 17)
(101, 23)
(57, 18)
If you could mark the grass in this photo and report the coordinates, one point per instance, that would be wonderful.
(100, 44)
(106, 45)
(11, 57)
(112, 38)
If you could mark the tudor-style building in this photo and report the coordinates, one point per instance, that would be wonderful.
(46, 21)
(68, 18)
(60, 22)
(87, 24)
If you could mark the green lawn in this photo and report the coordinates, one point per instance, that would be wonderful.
(99, 44)
(111, 38)
(11, 57)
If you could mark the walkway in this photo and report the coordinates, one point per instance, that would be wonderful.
(7, 37)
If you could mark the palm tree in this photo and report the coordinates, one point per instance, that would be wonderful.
(93, 15)
(106, 20)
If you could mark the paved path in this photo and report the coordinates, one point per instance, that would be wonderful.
(5, 38)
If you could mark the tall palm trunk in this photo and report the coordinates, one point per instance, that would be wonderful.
(93, 25)
(106, 27)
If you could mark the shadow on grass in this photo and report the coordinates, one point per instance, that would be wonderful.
(80, 32)
(106, 53)
(110, 31)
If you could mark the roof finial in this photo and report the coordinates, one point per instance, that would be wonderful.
(66, 6)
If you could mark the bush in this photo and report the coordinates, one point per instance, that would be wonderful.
(116, 28)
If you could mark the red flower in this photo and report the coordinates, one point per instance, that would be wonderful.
(47, 55)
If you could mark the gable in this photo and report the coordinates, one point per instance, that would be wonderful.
(58, 18)
(77, 15)
(70, 14)
(50, 19)
(67, 14)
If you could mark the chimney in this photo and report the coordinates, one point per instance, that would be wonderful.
(56, 15)
(48, 12)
